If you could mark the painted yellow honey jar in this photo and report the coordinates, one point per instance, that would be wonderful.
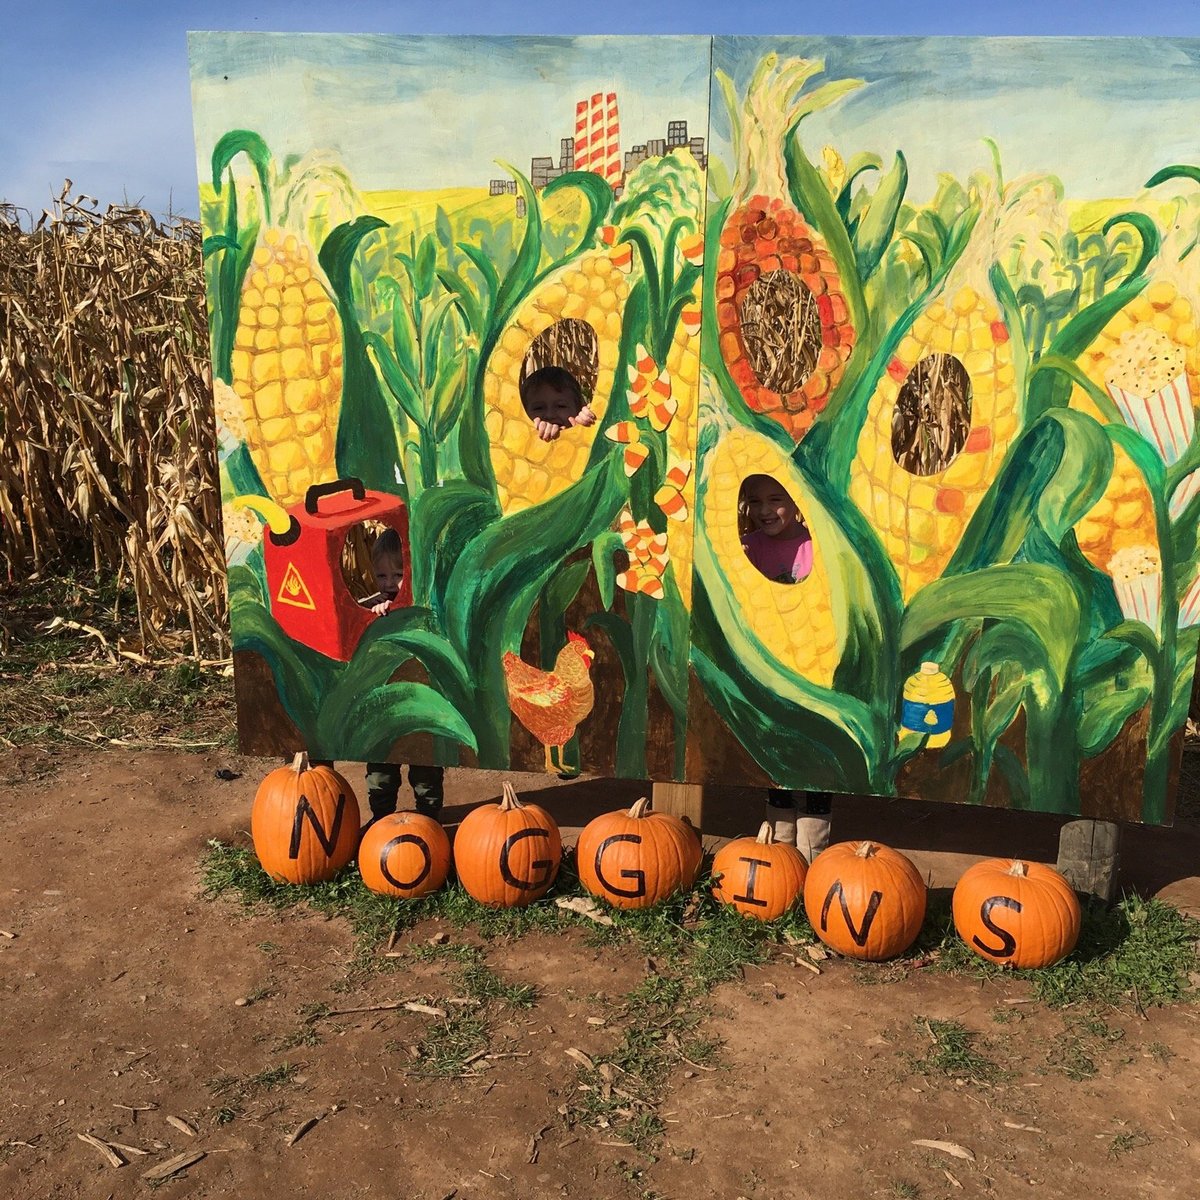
(928, 705)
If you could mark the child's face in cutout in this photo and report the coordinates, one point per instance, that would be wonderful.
(771, 509)
(546, 403)
(389, 574)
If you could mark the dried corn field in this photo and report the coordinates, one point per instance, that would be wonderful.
(107, 443)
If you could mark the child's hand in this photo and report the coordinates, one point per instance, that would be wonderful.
(380, 608)
(584, 416)
(546, 430)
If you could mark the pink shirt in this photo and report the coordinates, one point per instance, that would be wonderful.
(786, 560)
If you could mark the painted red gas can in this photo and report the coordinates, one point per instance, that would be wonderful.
(309, 597)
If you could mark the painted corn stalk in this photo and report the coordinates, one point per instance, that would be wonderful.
(982, 402)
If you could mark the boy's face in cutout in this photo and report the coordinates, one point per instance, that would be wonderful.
(547, 403)
(389, 574)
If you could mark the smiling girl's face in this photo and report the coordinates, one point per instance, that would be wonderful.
(770, 508)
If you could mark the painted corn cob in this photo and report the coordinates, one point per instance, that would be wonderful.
(572, 320)
(938, 425)
(796, 622)
(287, 367)
(784, 326)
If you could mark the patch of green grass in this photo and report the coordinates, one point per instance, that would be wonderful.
(274, 1077)
(235, 1091)
(954, 1052)
(483, 984)
(449, 1044)
(66, 682)
(1139, 952)
(305, 1035)
(1124, 1142)
(904, 1189)
(1162, 1053)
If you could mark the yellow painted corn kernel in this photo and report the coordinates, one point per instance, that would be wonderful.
(574, 292)
(797, 623)
(969, 328)
(287, 368)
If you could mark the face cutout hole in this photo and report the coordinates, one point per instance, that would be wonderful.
(374, 561)
(932, 417)
(774, 533)
(572, 346)
(781, 330)
(551, 395)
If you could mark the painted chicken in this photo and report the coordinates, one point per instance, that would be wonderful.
(550, 704)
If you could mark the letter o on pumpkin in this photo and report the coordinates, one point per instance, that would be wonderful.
(406, 854)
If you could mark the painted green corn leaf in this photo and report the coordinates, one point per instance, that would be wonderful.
(874, 232)
(395, 710)
(243, 475)
(1015, 777)
(1140, 636)
(389, 641)
(603, 548)
(301, 675)
(444, 519)
(815, 753)
(244, 141)
(1049, 389)
(599, 196)
(812, 715)
(496, 579)
(812, 198)
(520, 275)
(374, 457)
(553, 603)
(1104, 718)
(1082, 475)
(620, 634)
(1036, 596)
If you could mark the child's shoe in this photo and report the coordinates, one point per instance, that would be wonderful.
(812, 836)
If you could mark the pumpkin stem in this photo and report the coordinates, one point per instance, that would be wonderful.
(1018, 868)
(866, 849)
(766, 836)
(640, 808)
(300, 763)
(510, 799)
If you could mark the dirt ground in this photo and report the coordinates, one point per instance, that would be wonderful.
(136, 1010)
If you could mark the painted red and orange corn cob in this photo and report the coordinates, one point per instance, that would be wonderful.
(784, 324)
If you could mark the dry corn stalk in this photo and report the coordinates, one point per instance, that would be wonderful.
(107, 446)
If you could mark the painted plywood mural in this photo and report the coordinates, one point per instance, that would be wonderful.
(806, 411)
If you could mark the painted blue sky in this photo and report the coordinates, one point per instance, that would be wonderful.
(100, 93)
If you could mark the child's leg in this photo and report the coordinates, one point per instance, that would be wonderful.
(812, 829)
(780, 814)
(383, 787)
(426, 783)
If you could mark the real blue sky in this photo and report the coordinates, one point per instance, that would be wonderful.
(100, 93)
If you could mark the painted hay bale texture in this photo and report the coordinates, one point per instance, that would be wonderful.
(966, 370)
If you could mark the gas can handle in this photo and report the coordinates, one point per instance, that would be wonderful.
(313, 495)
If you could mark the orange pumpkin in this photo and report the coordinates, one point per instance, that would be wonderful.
(406, 854)
(637, 858)
(865, 900)
(507, 854)
(304, 822)
(1015, 913)
(760, 877)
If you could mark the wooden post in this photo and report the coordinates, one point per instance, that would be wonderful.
(685, 800)
(1089, 855)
